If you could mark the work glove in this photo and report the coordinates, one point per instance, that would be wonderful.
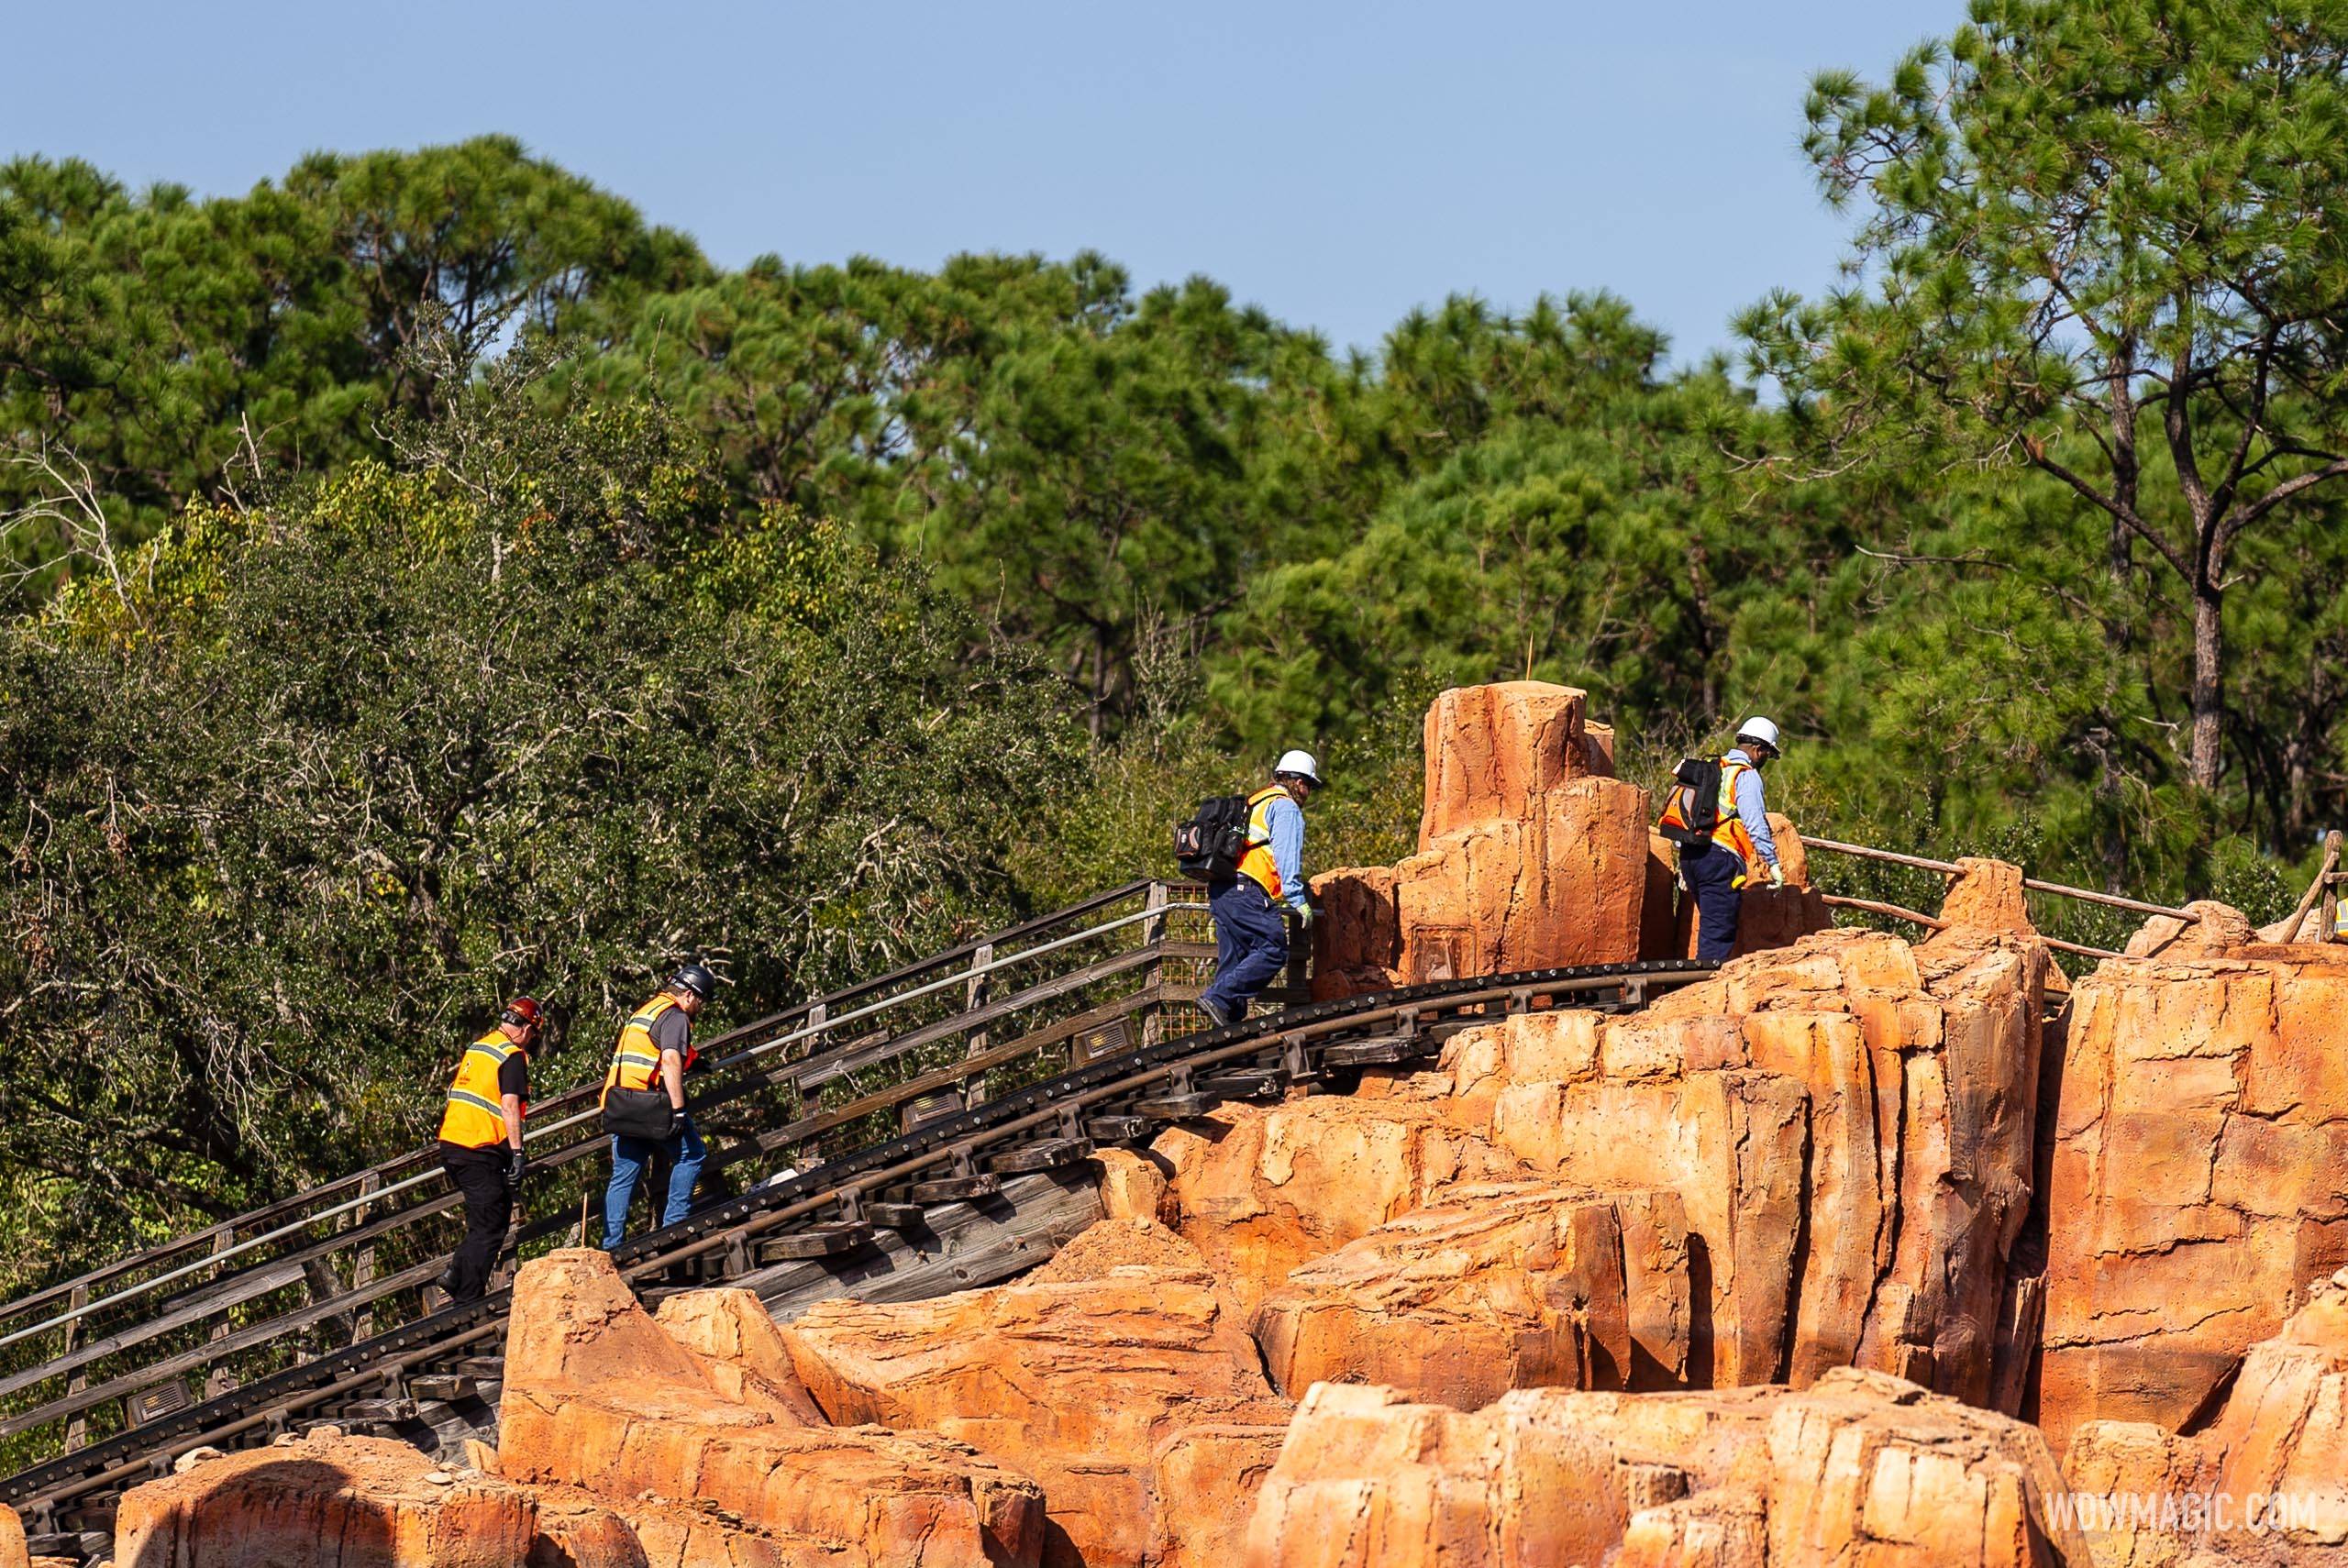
(1776, 876)
(676, 1121)
(516, 1164)
(1304, 915)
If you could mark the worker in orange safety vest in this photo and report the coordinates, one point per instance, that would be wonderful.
(481, 1141)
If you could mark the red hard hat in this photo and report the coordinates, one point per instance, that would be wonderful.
(523, 1011)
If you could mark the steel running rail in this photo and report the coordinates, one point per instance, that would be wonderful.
(1054, 1122)
(821, 1021)
(328, 1268)
(543, 1129)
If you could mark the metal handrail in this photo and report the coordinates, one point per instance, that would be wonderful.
(863, 987)
(959, 976)
(1104, 1084)
(2086, 895)
(1934, 922)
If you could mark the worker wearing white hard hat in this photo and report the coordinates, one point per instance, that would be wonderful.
(1725, 842)
(1251, 908)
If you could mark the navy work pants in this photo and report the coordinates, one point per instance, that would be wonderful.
(1711, 873)
(1250, 943)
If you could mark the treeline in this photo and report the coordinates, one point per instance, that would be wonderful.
(436, 581)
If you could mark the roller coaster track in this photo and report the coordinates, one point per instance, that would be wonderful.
(275, 1313)
(1005, 1062)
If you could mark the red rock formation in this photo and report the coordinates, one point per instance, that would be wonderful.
(2213, 929)
(1078, 1381)
(1261, 1189)
(2200, 1171)
(1863, 1468)
(1530, 852)
(346, 1502)
(1204, 1481)
(12, 1540)
(1513, 1285)
(1133, 1185)
(742, 1352)
(1987, 896)
(598, 1395)
(2268, 1478)
(1848, 1122)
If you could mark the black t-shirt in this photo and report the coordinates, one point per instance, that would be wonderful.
(672, 1031)
(514, 1075)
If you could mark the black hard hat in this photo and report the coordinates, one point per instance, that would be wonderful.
(694, 979)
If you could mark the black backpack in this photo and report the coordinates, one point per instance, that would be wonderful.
(1209, 845)
(1699, 777)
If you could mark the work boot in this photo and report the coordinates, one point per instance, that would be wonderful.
(1223, 1016)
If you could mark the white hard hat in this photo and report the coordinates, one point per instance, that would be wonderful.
(1760, 729)
(1298, 762)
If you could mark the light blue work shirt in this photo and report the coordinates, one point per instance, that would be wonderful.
(1284, 820)
(1750, 807)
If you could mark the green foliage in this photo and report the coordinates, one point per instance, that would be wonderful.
(529, 602)
(2096, 242)
(1070, 458)
(175, 345)
(291, 822)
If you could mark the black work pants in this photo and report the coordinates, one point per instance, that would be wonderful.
(1712, 874)
(480, 1175)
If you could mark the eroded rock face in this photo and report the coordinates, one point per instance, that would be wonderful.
(2268, 1478)
(1133, 1185)
(1498, 1287)
(1263, 1189)
(741, 1352)
(1076, 1381)
(2199, 1174)
(346, 1502)
(599, 1395)
(1530, 852)
(1848, 1123)
(1204, 1481)
(1860, 1468)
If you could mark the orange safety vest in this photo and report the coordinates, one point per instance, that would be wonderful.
(636, 1061)
(1257, 861)
(475, 1118)
(1728, 829)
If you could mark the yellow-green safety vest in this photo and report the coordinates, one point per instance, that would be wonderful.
(1257, 861)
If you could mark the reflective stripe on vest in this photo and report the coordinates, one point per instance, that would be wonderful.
(475, 1116)
(636, 1061)
(1729, 832)
(1258, 861)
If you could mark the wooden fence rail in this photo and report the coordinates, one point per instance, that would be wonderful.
(291, 1280)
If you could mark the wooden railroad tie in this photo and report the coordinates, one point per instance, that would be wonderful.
(1384, 1050)
(817, 1241)
(955, 1189)
(1051, 1154)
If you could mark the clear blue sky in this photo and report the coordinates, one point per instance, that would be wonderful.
(1334, 163)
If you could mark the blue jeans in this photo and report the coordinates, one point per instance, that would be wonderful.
(685, 1153)
(1711, 873)
(1250, 944)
